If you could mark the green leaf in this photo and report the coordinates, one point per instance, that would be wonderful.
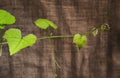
(6, 17)
(104, 27)
(2, 27)
(45, 23)
(95, 31)
(79, 40)
(16, 42)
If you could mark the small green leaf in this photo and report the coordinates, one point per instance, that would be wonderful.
(95, 31)
(79, 40)
(2, 27)
(16, 42)
(45, 23)
(6, 17)
(104, 27)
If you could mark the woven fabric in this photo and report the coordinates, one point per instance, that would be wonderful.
(100, 58)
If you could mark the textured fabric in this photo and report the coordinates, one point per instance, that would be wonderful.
(100, 58)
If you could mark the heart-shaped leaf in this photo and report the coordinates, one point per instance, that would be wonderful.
(16, 42)
(6, 17)
(45, 23)
(79, 40)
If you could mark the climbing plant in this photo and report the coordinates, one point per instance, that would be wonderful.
(13, 36)
(16, 41)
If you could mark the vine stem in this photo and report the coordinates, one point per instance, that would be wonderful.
(0, 49)
(67, 36)
(50, 37)
(1, 44)
(52, 49)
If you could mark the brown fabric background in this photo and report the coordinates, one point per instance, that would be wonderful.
(100, 58)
